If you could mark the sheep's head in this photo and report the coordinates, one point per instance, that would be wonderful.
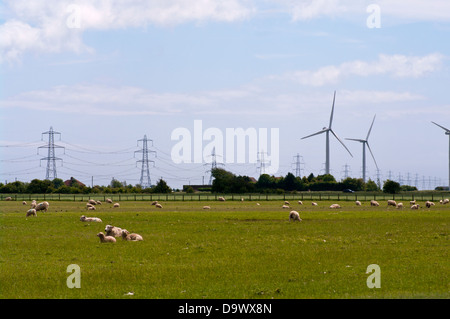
(108, 227)
(82, 218)
(125, 233)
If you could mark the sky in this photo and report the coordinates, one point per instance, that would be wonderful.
(106, 73)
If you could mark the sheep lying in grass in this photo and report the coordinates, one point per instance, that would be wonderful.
(445, 201)
(24, 203)
(358, 203)
(206, 207)
(286, 203)
(285, 206)
(90, 219)
(92, 202)
(8, 198)
(374, 203)
(221, 199)
(131, 237)
(31, 212)
(314, 203)
(106, 239)
(116, 205)
(294, 215)
(335, 206)
(42, 206)
(113, 231)
(90, 207)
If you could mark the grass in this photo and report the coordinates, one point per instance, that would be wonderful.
(236, 250)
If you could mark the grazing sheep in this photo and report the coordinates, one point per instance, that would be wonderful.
(300, 202)
(109, 200)
(257, 204)
(155, 202)
(285, 206)
(8, 198)
(131, 237)
(399, 205)
(33, 204)
(445, 201)
(116, 205)
(98, 202)
(392, 203)
(358, 203)
(413, 202)
(314, 203)
(374, 203)
(90, 219)
(92, 202)
(416, 206)
(206, 207)
(334, 206)
(24, 203)
(158, 205)
(221, 199)
(91, 208)
(106, 239)
(42, 206)
(113, 231)
(293, 215)
(428, 204)
(286, 202)
(31, 212)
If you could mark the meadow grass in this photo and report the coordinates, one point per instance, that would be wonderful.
(235, 250)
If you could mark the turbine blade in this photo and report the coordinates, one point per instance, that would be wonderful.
(341, 142)
(355, 139)
(370, 128)
(441, 126)
(368, 146)
(332, 110)
(320, 132)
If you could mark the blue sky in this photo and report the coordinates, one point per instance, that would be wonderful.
(135, 68)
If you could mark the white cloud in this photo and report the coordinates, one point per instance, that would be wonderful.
(55, 26)
(393, 65)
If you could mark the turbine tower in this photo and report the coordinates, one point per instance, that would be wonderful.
(51, 159)
(145, 170)
(364, 144)
(327, 131)
(447, 132)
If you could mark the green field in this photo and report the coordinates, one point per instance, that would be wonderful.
(235, 250)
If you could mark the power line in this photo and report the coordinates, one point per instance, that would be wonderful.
(145, 169)
(51, 158)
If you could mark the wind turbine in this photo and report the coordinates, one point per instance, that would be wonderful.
(327, 130)
(364, 144)
(447, 132)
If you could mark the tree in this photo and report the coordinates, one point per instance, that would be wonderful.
(161, 187)
(371, 186)
(391, 187)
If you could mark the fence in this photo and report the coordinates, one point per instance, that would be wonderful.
(317, 196)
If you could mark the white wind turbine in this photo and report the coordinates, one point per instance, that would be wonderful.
(327, 130)
(447, 132)
(364, 144)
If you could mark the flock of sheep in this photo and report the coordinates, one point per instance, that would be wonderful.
(111, 232)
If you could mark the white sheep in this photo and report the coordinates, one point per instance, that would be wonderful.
(31, 212)
(416, 206)
(109, 200)
(221, 199)
(90, 219)
(98, 202)
(158, 205)
(300, 202)
(155, 202)
(294, 215)
(24, 203)
(286, 202)
(314, 203)
(206, 207)
(8, 198)
(445, 201)
(413, 202)
(106, 239)
(358, 203)
(428, 204)
(131, 237)
(399, 205)
(374, 203)
(116, 205)
(42, 206)
(392, 202)
(113, 231)
(285, 206)
(92, 202)
(335, 206)
(33, 204)
(91, 208)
